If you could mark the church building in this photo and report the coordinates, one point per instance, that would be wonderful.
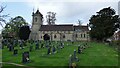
(61, 32)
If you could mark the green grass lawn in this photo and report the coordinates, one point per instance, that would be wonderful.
(98, 54)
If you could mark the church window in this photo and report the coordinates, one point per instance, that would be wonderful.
(84, 35)
(63, 36)
(41, 36)
(81, 35)
(76, 35)
(35, 19)
(55, 36)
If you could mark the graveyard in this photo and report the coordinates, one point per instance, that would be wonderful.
(63, 54)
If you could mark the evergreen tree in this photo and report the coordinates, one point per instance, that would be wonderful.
(104, 24)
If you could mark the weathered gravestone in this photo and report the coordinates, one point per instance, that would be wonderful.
(25, 57)
(21, 45)
(79, 50)
(47, 44)
(37, 46)
(49, 50)
(8, 44)
(58, 48)
(42, 46)
(11, 47)
(15, 52)
(53, 49)
(70, 61)
(74, 56)
(62, 45)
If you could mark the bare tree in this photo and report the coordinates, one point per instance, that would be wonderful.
(79, 22)
(51, 18)
(2, 17)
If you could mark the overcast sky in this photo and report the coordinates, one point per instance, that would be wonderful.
(67, 11)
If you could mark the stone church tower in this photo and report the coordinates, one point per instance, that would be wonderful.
(37, 21)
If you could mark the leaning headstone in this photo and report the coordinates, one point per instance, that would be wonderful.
(15, 52)
(25, 57)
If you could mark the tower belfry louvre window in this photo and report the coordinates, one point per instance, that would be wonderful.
(35, 19)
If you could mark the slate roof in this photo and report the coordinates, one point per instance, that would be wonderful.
(83, 28)
(62, 28)
(56, 28)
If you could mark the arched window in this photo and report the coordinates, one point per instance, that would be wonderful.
(76, 35)
(84, 35)
(63, 36)
(81, 35)
(55, 36)
(41, 36)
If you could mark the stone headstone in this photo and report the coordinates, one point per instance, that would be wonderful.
(11, 47)
(37, 46)
(25, 57)
(70, 61)
(15, 52)
(79, 50)
(8, 44)
(49, 50)
(42, 46)
(53, 49)
(21, 45)
(74, 56)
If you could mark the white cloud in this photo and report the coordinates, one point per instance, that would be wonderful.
(70, 12)
(59, 0)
